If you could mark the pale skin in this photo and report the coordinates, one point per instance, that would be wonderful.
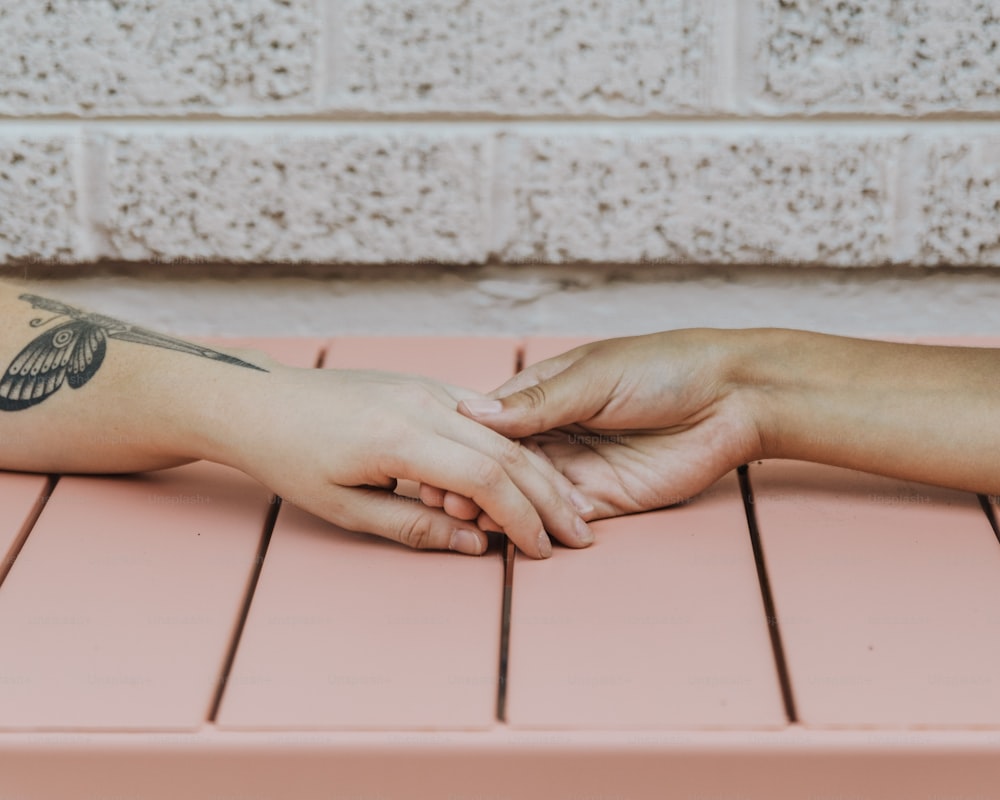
(643, 422)
(334, 440)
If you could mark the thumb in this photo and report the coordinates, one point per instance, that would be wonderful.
(403, 519)
(571, 396)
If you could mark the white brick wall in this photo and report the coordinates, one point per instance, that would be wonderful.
(723, 132)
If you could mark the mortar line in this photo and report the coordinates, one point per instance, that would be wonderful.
(944, 123)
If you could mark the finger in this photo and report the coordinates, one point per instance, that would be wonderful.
(592, 476)
(477, 473)
(563, 485)
(537, 372)
(403, 520)
(454, 505)
(460, 507)
(544, 487)
(463, 508)
(487, 523)
(574, 395)
(432, 496)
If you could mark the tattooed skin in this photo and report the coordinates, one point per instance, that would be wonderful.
(73, 351)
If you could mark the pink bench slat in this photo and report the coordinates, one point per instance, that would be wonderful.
(472, 362)
(21, 498)
(350, 631)
(887, 596)
(659, 624)
(295, 351)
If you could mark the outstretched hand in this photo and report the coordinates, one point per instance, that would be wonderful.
(648, 421)
(634, 423)
(344, 437)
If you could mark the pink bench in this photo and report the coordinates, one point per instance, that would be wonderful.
(799, 631)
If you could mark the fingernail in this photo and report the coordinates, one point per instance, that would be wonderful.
(544, 545)
(583, 532)
(482, 407)
(463, 541)
(580, 503)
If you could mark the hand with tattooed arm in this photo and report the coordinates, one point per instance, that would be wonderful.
(340, 437)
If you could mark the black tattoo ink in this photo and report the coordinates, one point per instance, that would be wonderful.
(73, 351)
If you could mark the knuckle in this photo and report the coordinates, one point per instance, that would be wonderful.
(459, 507)
(391, 431)
(431, 495)
(417, 532)
(419, 396)
(487, 473)
(510, 454)
(534, 397)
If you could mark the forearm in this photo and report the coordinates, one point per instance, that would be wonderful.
(82, 392)
(141, 404)
(917, 412)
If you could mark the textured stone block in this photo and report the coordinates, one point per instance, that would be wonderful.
(527, 56)
(131, 56)
(365, 198)
(890, 56)
(704, 199)
(37, 199)
(957, 197)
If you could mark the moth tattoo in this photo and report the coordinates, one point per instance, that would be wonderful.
(73, 351)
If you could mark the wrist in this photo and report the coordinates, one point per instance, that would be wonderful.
(207, 409)
(757, 367)
(803, 390)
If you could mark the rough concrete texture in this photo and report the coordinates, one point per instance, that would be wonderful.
(958, 212)
(711, 199)
(121, 56)
(887, 56)
(340, 198)
(526, 56)
(37, 199)
(627, 132)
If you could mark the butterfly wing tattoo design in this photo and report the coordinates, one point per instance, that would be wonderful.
(73, 351)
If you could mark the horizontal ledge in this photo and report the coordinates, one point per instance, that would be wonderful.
(570, 274)
(441, 123)
(502, 738)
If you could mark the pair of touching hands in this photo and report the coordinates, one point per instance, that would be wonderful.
(649, 421)
(609, 428)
